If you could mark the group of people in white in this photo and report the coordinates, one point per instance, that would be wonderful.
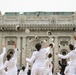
(71, 64)
(10, 62)
(41, 61)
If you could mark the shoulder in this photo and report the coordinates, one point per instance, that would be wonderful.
(21, 71)
(35, 52)
(71, 52)
(6, 62)
(43, 50)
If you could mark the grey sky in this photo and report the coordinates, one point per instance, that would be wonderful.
(37, 5)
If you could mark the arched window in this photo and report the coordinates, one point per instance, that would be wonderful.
(10, 50)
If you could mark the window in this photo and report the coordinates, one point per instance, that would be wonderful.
(64, 43)
(11, 42)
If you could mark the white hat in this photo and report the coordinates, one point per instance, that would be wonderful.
(53, 44)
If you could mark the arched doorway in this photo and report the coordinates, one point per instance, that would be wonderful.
(10, 51)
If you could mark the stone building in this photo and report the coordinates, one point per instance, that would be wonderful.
(28, 28)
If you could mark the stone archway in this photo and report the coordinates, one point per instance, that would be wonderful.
(64, 51)
(10, 50)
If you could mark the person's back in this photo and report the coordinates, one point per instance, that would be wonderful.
(48, 64)
(23, 71)
(40, 58)
(72, 56)
(10, 64)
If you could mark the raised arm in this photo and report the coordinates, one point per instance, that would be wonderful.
(16, 51)
(27, 66)
(32, 59)
(65, 56)
(3, 53)
(4, 66)
(48, 50)
(4, 50)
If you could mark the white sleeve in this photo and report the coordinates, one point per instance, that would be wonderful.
(48, 50)
(26, 69)
(51, 66)
(32, 59)
(5, 65)
(46, 63)
(20, 73)
(65, 71)
(4, 51)
(65, 56)
(15, 54)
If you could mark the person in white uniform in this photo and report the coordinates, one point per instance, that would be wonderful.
(72, 56)
(11, 63)
(48, 65)
(38, 57)
(49, 48)
(68, 69)
(1, 60)
(24, 70)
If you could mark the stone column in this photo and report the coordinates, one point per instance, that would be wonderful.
(19, 47)
(72, 40)
(55, 56)
(23, 50)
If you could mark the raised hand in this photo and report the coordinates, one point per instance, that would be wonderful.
(27, 59)
(3, 44)
(56, 53)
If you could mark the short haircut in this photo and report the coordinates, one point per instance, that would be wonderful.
(38, 46)
(8, 57)
(23, 68)
(49, 55)
(71, 47)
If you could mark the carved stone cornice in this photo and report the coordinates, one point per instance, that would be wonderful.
(11, 27)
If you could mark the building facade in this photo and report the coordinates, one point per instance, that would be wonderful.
(31, 27)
